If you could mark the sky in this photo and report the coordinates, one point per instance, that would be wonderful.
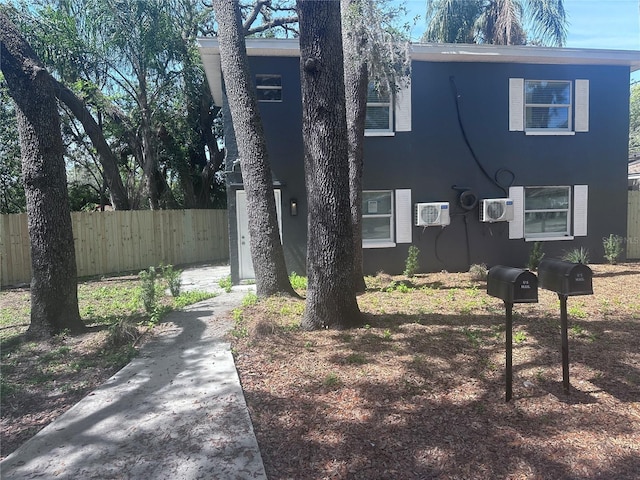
(608, 24)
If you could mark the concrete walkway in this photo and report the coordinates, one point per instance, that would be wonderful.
(176, 412)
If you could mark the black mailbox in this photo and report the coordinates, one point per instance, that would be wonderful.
(565, 278)
(513, 285)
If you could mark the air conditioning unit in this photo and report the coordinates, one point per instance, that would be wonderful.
(496, 210)
(434, 214)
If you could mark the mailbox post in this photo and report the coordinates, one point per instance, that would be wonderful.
(512, 285)
(566, 279)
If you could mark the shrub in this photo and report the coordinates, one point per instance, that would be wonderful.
(612, 248)
(298, 282)
(225, 283)
(478, 271)
(577, 255)
(148, 289)
(411, 265)
(535, 256)
(172, 276)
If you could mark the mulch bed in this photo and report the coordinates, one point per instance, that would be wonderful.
(419, 392)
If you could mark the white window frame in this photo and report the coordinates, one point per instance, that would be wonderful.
(381, 132)
(380, 242)
(577, 214)
(578, 108)
(567, 106)
(269, 87)
(567, 210)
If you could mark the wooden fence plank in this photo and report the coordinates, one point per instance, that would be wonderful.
(116, 242)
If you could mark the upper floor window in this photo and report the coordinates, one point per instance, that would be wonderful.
(379, 117)
(269, 88)
(548, 107)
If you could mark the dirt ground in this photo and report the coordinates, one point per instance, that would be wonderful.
(419, 392)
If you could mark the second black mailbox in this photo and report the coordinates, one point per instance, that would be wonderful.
(513, 285)
(565, 278)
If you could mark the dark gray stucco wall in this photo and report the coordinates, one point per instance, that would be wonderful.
(433, 157)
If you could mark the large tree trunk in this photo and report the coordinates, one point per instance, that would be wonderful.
(54, 296)
(266, 249)
(356, 82)
(108, 160)
(331, 300)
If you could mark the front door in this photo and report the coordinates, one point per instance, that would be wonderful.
(245, 265)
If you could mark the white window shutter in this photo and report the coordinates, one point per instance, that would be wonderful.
(516, 104)
(403, 107)
(582, 106)
(403, 216)
(516, 226)
(580, 202)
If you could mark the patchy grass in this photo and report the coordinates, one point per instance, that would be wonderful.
(40, 380)
(418, 392)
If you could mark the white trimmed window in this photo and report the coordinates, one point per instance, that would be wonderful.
(386, 218)
(377, 217)
(269, 88)
(549, 212)
(548, 107)
(379, 116)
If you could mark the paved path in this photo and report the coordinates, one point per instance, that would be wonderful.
(176, 412)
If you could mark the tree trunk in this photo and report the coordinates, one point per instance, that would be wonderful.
(108, 160)
(331, 300)
(356, 82)
(266, 249)
(54, 295)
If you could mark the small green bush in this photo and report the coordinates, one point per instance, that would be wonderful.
(148, 293)
(298, 282)
(612, 248)
(411, 265)
(577, 255)
(225, 283)
(535, 256)
(172, 277)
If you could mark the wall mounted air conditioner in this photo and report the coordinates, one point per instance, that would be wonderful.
(434, 214)
(496, 210)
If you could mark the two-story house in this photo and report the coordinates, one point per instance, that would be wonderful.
(486, 150)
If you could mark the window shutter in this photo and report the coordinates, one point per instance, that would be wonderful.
(580, 201)
(516, 226)
(516, 104)
(582, 106)
(403, 107)
(403, 216)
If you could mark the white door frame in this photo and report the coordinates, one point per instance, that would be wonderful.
(245, 265)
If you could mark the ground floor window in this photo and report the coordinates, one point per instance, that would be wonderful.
(377, 216)
(547, 211)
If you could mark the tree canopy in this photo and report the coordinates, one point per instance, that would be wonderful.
(501, 22)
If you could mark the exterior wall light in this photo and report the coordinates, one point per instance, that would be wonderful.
(293, 207)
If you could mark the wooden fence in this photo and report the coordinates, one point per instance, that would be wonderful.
(633, 226)
(122, 241)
